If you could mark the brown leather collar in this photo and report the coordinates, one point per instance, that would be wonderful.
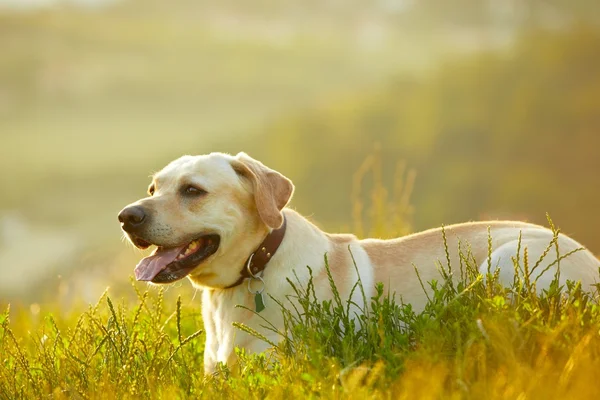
(258, 260)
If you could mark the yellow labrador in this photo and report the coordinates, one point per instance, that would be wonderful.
(222, 221)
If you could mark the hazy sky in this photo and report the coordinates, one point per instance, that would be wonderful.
(33, 4)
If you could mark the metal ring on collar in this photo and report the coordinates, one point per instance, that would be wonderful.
(260, 279)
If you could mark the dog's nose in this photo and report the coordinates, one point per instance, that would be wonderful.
(132, 217)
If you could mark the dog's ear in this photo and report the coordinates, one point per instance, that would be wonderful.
(272, 190)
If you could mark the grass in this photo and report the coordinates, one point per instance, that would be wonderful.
(475, 339)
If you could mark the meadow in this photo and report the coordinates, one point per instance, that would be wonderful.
(446, 114)
(474, 340)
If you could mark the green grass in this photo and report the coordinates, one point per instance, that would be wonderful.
(474, 340)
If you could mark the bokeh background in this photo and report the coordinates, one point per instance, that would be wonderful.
(479, 108)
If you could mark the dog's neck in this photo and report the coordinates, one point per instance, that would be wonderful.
(258, 260)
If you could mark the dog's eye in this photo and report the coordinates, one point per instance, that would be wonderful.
(190, 190)
(151, 190)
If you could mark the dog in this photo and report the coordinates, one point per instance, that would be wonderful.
(222, 222)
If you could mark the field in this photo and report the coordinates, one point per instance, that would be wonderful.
(474, 340)
(390, 117)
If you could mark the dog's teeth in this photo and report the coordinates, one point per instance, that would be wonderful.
(193, 245)
(188, 251)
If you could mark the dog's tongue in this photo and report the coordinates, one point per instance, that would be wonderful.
(150, 266)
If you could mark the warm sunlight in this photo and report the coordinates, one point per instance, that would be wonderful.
(390, 117)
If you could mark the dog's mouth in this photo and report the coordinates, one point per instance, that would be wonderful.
(169, 264)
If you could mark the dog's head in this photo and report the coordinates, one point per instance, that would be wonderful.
(205, 215)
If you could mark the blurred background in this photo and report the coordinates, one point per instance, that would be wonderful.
(479, 108)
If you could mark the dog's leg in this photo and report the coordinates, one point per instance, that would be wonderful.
(210, 346)
(578, 265)
(502, 259)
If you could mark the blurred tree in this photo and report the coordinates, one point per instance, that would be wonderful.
(501, 134)
(486, 14)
